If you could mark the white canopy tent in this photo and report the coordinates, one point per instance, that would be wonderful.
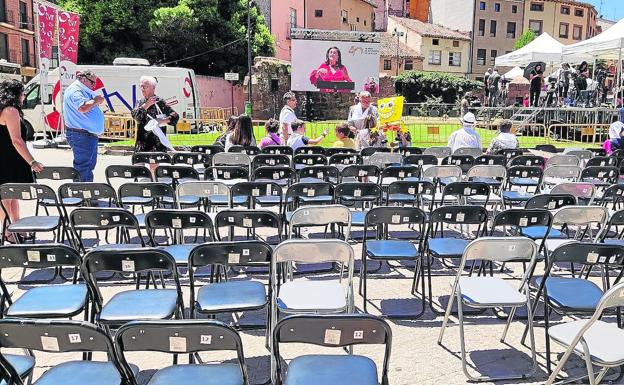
(544, 48)
(514, 73)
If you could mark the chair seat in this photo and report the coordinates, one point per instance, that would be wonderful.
(189, 200)
(51, 301)
(447, 247)
(538, 232)
(553, 243)
(518, 196)
(306, 295)
(391, 249)
(489, 181)
(489, 291)
(136, 200)
(271, 200)
(66, 202)
(619, 242)
(180, 252)
(217, 374)
(523, 181)
(569, 294)
(80, 373)
(402, 198)
(358, 218)
(231, 295)
(224, 200)
(604, 340)
(438, 198)
(117, 246)
(331, 369)
(36, 223)
(21, 363)
(147, 304)
(317, 199)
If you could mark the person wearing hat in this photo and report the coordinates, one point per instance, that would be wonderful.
(616, 127)
(465, 137)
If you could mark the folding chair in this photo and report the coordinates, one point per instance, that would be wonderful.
(364, 195)
(520, 179)
(597, 151)
(283, 176)
(584, 192)
(184, 336)
(594, 340)
(60, 336)
(575, 295)
(89, 194)
(509, 153)
(465, 162)
(492, 175)
(474, 152)
(581, 223)
(250, 221)
(369, 151)
(438, 152)
(602, 161)
(304, 193)
(331, 331)
(342, 160)
(385, 159)
(409, 191)
(151, 158)
(231, 159)
(491, 160)
(440, 246)
(440, 176)
(527, 160)
(230, 175)
(394, 173)
(257, 194)
(26, 192)
(57, 175)
(552, 203)
(613, 197)
(320, 216)
(224, 295)
(175, 174)
(173, 223)
(600, 176)
(197, 160)
(339, 150)
(387, 247)
(583, 155)
(133, 304)
(484, 292)
(563, 160)
(247, 150)
(270, 160)
(554, 175)
(278, 150)
(208, 193)
(47, 301)
(128, 173)
(107, 220)
(359, 173)
(302, 160)
(208, 149)
(407, 151)
(310, 150)
(312, 174)
(148, 195)
(464, 193)
(421, 160)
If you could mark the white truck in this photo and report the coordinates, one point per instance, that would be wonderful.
(120, 89)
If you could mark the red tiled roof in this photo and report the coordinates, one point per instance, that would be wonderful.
(431, 30)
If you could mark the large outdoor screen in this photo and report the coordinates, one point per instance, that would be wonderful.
(335, 65)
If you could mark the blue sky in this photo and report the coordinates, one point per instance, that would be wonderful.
(611, 9)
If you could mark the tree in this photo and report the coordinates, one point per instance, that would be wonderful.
(421, 87)
(525, 39)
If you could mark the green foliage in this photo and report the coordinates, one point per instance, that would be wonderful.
(525, 39)
(421, 87)
(167, 30)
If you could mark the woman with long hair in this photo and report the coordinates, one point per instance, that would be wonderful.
(242, 135)
(332, 70)
(17, 162)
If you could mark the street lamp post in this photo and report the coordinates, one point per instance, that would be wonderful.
(398, 35)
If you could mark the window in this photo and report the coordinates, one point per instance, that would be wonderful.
(511, 30)
(537, 7)
(3, 16)
(387, 64)
(364, 22)
(565, 10)
(435, 57)
(454, 59)
(318, 13)
(357, 19)
(481, 57)
(493, 55)
(345, 16)
(353, 27)
(482, 6)
(23, 11)
(536, 26)
(497, 7)
(564, 30)
(4, 47)
(514, 9)
(25, 52)
(436, 42)
(409, 65)
(293, 18)
(455, 43)
(577, 32)
(492, 28)
(578, 12)
(481, 27)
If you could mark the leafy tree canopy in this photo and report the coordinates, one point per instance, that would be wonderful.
(419, 86)
(525, 39)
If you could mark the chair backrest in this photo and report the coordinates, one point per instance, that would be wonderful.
(491, 160)
(173, 173)
(309, 160)
(153, 190)
(523, 218)
(190, 158)
(231, 159)
(255, 189)
(583, 216)
(247, 150)
(606, 174)
(38, 256)
(308, 190)
(407, 151)
(208, 149)
(248, 252)
(463, 161)
(333, 331)
(275, 174)
(321, 216)
(583, 155)
(58, 173)
(322, 173)
(597, 151)
(384, 159)
(339, 150)
(104, 219)
(531, 172)
(358, 191)
(437, 172)
(312, 251)
(369, 151)
(571, 173)
(27, 192)
(487, 171)
(580, 190)
(247, 219)
(415, 188)
(384, 217)
(602, 161)
(277, 150)
(359, 172)
(546, 148)
(89, 190)
(466, 189)
(550, 201)
(439, 152)
(151, 157)
(270, 160)
(474, 152)
(345, 159)
(202, 189)
(469, 215)
(587, 253)
(502, 249)
(563, 160)
(399, 172)
(528, 160)
(613, 195)
(310, 150)
(132, 172)
(226, 173)
(176, 219)
(509, 153)
(421, 160)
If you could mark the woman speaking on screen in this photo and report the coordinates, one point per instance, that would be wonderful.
(332, 70)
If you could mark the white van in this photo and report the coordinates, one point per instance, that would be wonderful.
(120, 89)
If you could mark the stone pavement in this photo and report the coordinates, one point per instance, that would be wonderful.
(416, 356)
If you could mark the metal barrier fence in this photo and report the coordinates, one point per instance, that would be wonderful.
(584, 133)
(118, 127)
(217, 113)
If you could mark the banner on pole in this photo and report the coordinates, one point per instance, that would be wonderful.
(68, 29)
(46, 21)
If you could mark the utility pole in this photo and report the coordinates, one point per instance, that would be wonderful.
(248, 109)
(398, 35)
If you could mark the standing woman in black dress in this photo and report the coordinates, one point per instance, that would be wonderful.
(148, 108)
(16, 162)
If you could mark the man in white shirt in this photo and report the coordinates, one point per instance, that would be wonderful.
(616, 127)
(287, 115)
(505, 139)
(360, 111)
(465, 137)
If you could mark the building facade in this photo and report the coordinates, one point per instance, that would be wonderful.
(443, 49)
(342, 15)
(566, 20)
(497, 26)
(281, 16)
(17, 36)
(395, 60)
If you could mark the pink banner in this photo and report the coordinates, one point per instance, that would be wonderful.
(46, 20)
(69, 25)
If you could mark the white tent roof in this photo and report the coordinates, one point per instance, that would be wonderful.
(514, 72)
(607, 45)
(544, 48)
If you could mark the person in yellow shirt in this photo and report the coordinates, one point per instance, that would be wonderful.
(342, 134)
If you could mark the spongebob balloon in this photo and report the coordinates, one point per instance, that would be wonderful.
(390, 112)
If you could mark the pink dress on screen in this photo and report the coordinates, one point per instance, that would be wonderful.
(340, 75)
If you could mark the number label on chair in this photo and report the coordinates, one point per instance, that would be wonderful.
(332, 336)
(51, 258)
(147, 193)
(49, 343)
(311, 192)
(362, 173)
(176, 175)
(104, 222)
(192, 219)
(525, 174)
(358, 334)
(25, 195)
(127, 174)
(421, 162)
(247, 222)
(177, 344)
(396, 218)
(276, 175)
(226, 174)
(552, 205)
(116, 218)
(33, 255)
(467, 191)
(189, 161)
(176, 223)
(460, 217)
(357, 193)
(524, 222)
(401, 174)
(74, 338)
(86, 194)
(592, 257)
(233, 258)
(255, 192)
(205, 339)
(127, 266)
(56, 176)
(320, 175)
(152, 160)
(411, 190)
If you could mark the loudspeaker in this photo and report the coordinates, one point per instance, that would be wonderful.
(274, 85)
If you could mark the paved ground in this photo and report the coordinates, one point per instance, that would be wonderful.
(416, 356)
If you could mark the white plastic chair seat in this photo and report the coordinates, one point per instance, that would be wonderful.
(553, 243)
(604, 340)
(306, 295)
(489, 291)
